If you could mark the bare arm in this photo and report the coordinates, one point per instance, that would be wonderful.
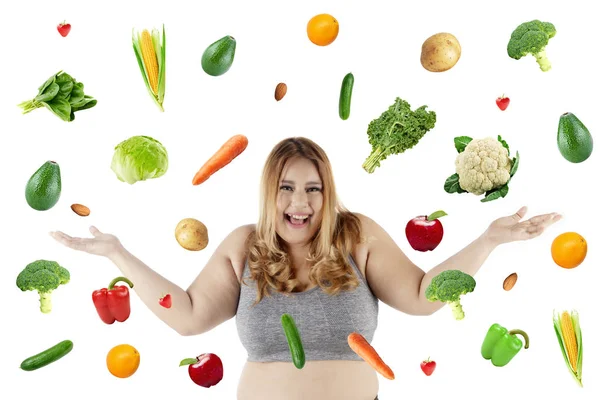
(398, 282)
(209, 301)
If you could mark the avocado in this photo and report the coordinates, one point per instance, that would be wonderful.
(574, 140)
(43, 188)
(218, 57)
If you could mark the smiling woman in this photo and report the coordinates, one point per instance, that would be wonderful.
(310, 258)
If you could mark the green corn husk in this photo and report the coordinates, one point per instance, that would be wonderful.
(160, 49)
(561, 341)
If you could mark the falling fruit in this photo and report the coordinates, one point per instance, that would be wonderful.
(568, 250)
(64, 28)
(502, 102)
(123, 360)
(322, 29)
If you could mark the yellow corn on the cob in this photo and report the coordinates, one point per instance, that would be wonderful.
(150, 60)
(566, 325)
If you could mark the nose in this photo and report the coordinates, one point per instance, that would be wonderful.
(299, 199)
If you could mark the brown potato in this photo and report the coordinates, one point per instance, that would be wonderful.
(191, 234)
(440, 52)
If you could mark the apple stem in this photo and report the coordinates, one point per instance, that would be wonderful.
(436, 215)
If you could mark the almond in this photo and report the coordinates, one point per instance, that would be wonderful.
(280, 91)
(80, 210)
(510, 281)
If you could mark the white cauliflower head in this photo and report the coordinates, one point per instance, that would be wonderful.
(484, 165)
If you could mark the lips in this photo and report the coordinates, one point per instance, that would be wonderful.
(297, 220)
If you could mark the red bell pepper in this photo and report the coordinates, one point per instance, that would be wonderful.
(112, 303)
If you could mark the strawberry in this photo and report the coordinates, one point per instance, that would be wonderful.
(502, 102)
(64, 28)
(428, 367)
(165, 301)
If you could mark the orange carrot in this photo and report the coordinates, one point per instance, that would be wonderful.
(360, 346)
(230, 150)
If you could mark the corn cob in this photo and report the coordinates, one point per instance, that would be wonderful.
(150, 53)
(150, 60)
(568, 332)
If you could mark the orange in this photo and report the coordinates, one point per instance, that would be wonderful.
(123, 360)
(569, 250)
(322, 29)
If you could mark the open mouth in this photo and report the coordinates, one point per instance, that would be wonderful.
(297, 220)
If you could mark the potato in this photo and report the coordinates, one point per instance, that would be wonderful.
(440, 52)
(191, 234)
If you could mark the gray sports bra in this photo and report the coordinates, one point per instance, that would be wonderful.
(324, 321)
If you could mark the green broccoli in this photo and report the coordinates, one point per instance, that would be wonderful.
(396, 130)
(448, 286)
(532, 38)
(43, 276)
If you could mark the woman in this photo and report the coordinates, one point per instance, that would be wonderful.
(313, 259)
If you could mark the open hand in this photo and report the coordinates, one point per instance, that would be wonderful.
(102, 244)
(511, 228)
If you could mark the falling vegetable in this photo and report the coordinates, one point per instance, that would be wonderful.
(230, 150)
(112, 303)
(294, 341)
(360, 346)
(139, 158)
(568, 332)
(501, 345)
(448, 287)
(150, 52)
(62, 95)
(396, 130)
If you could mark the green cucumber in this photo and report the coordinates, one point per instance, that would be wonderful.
(346, 96)
(48, 356)
(294, 342)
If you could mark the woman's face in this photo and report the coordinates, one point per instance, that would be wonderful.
(299, 202)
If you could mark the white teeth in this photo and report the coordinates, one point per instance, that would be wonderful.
(298, 216)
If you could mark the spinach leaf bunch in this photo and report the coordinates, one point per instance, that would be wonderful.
(397, 129)
(62, 95)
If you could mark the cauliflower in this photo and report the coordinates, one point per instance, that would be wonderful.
(484, 165)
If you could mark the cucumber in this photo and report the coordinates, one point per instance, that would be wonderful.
(294, 342)
(48, 356)
(346, 96)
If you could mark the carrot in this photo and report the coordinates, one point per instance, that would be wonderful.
(230, 150)
(360, 346)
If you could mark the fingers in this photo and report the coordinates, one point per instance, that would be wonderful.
(94, 231)
(520, 214)
(71, 242)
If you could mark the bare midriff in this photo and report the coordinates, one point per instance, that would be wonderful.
(318, 380)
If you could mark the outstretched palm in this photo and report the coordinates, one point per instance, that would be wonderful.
(102, 244)
(511, 228)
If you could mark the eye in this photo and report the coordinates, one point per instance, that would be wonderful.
(315, 189)
(284, 187)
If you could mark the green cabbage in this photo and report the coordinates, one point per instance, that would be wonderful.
(139, 158)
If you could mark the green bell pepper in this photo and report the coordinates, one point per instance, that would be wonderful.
(501, 345)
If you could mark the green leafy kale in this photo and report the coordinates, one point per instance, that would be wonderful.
(396, 130)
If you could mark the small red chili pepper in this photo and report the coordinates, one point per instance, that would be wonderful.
(112, 303)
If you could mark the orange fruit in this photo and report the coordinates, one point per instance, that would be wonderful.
(322, 29)
(123, 360)
(569, 250)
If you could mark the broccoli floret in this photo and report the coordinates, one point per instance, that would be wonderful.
(532, 38)
(43, 276)
(448, 286)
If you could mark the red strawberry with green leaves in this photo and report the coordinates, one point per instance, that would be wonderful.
(166, 301)
(64, 28)
(502, 102)
(428, 367)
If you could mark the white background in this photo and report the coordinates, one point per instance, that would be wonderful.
(379, 42)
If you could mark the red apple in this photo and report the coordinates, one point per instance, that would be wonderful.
(206, 370)
(424, 233)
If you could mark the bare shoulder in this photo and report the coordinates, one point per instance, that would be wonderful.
(234, 247)
(370, 230)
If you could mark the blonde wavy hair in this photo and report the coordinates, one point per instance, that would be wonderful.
(339, 231)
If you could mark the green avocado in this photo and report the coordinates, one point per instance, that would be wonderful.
(43, 188)
(574, 140)
(218, 57)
